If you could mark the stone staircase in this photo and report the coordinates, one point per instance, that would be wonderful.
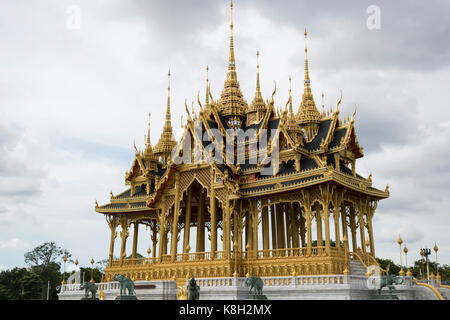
(445, 293)
(357, 268)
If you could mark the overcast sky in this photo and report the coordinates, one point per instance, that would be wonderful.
(74, 97)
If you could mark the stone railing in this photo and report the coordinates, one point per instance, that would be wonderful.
(321, 280)
(105, 286)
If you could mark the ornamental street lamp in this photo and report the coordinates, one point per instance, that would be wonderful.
(400, 241)
(426, 253)
(422, 261)
(76, 266)
(408, 273)
(437, 268)
(64, 275)
(92, 270)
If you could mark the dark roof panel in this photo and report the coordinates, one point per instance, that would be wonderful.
(322, 133)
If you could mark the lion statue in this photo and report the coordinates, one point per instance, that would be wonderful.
(125, 284)
(89, 287)
(255, 283)
(193, 290)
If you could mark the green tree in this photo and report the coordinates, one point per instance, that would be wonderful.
(45, 261)
(19, 284)
(31, 285)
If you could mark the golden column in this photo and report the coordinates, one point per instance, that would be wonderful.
(255, 220)
(265, 225)
(112, 223)
(123, 236)
(344, 222)
(154, 239)
(319, 225)
(302, 228)
(200, 246)
(176, 215)
(362, 229)
(371, 207)
(235, 254)
(226, 228)
(273, 227)
(213, 215)
(280, 227)
(308, 217)
(353, 227)
(187, 221)
(326, 217)
(346, 253)
(400, 241)
(437, 268)
(135, 239)
(336, 228)
(295, 232)
(162, 230)
(408, 273)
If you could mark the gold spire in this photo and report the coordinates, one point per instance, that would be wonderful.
(166, 142)
(232, 104)
(231, 60)
(257, 104)
(148, 146)
(307, 112)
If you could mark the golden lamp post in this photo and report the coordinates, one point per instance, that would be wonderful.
(92, 270)
(437, 269)
(64, 274)
(400, 241)
(76, 266)
(408, 273)
(422, 254)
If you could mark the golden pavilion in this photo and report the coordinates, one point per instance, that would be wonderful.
(285, 199)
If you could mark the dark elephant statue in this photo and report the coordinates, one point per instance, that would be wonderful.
(89, 287)
(256, 284)
(125, 284)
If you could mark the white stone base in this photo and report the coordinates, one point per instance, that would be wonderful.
(163, 290)
(326, 287)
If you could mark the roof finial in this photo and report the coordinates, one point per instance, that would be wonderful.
(323, 104)
(207, 86)
(257, 71)
(306, 61)
(291, 111)
(231, 61)
(168, 97)
(148, 132)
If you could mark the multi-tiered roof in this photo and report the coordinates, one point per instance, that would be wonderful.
(314, 147)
